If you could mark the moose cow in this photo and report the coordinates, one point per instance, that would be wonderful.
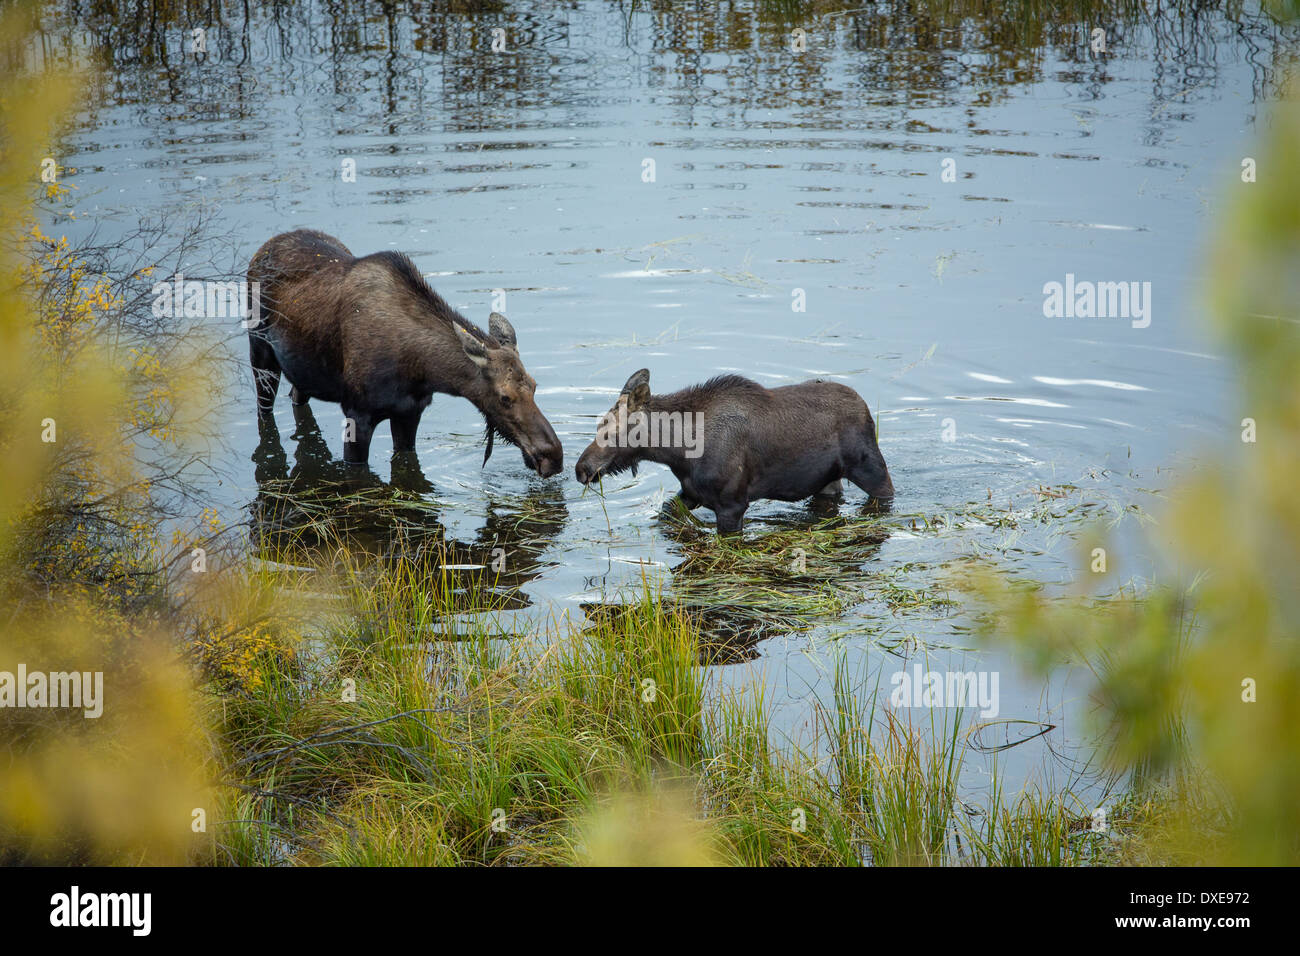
(370, 334)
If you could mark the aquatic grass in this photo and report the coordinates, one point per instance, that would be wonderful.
(781, 581)
(427, 713)
(640, 670)
(912, 799)
(413, 727)
(771, 805)
(844, 798)
(1035, 830)
(784, 579)
(380, 745)
(794, 579)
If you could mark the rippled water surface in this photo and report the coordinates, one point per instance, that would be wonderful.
(777, 177)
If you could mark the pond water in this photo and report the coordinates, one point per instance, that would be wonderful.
(910, 181)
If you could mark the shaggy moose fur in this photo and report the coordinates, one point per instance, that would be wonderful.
(787, 443)
(370, 334)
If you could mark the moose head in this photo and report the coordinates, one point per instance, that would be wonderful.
(504, 392)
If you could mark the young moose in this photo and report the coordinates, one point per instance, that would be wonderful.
(731, 441)
(372, 335)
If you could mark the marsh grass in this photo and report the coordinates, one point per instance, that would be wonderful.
(405, 721)
(377, 742)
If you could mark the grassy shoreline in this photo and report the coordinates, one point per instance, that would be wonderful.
(577, 745)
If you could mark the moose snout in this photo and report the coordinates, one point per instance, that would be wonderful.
(548, 466)
(586, 470)
(546, 455)
(881, 488)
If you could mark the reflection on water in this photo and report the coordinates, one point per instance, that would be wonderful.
(303, 513)
(409, 52)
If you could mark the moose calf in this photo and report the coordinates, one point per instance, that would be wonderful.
(731, 441)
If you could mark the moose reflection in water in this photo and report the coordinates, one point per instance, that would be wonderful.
(305, 510)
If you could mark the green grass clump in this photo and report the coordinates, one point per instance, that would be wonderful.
(382, 740)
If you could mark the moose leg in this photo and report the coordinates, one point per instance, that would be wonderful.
(731, 517)
(833, 490)
(358, 429)
(404, 427)
(297, 397)
(871, 475)
(266, 371)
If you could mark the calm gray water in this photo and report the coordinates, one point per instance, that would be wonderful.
(821, 171)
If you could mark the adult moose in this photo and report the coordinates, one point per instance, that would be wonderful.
(731, 441)
(370, 334)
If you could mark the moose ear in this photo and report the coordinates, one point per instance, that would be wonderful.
(637, 389)
(474, 347)
(499, 328)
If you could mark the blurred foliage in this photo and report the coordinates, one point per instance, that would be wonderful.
(661, 828)
(115, 789)
(75, 554)
(1217, 774)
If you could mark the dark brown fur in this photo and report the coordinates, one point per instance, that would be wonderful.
(370, 334)
(787, 443)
